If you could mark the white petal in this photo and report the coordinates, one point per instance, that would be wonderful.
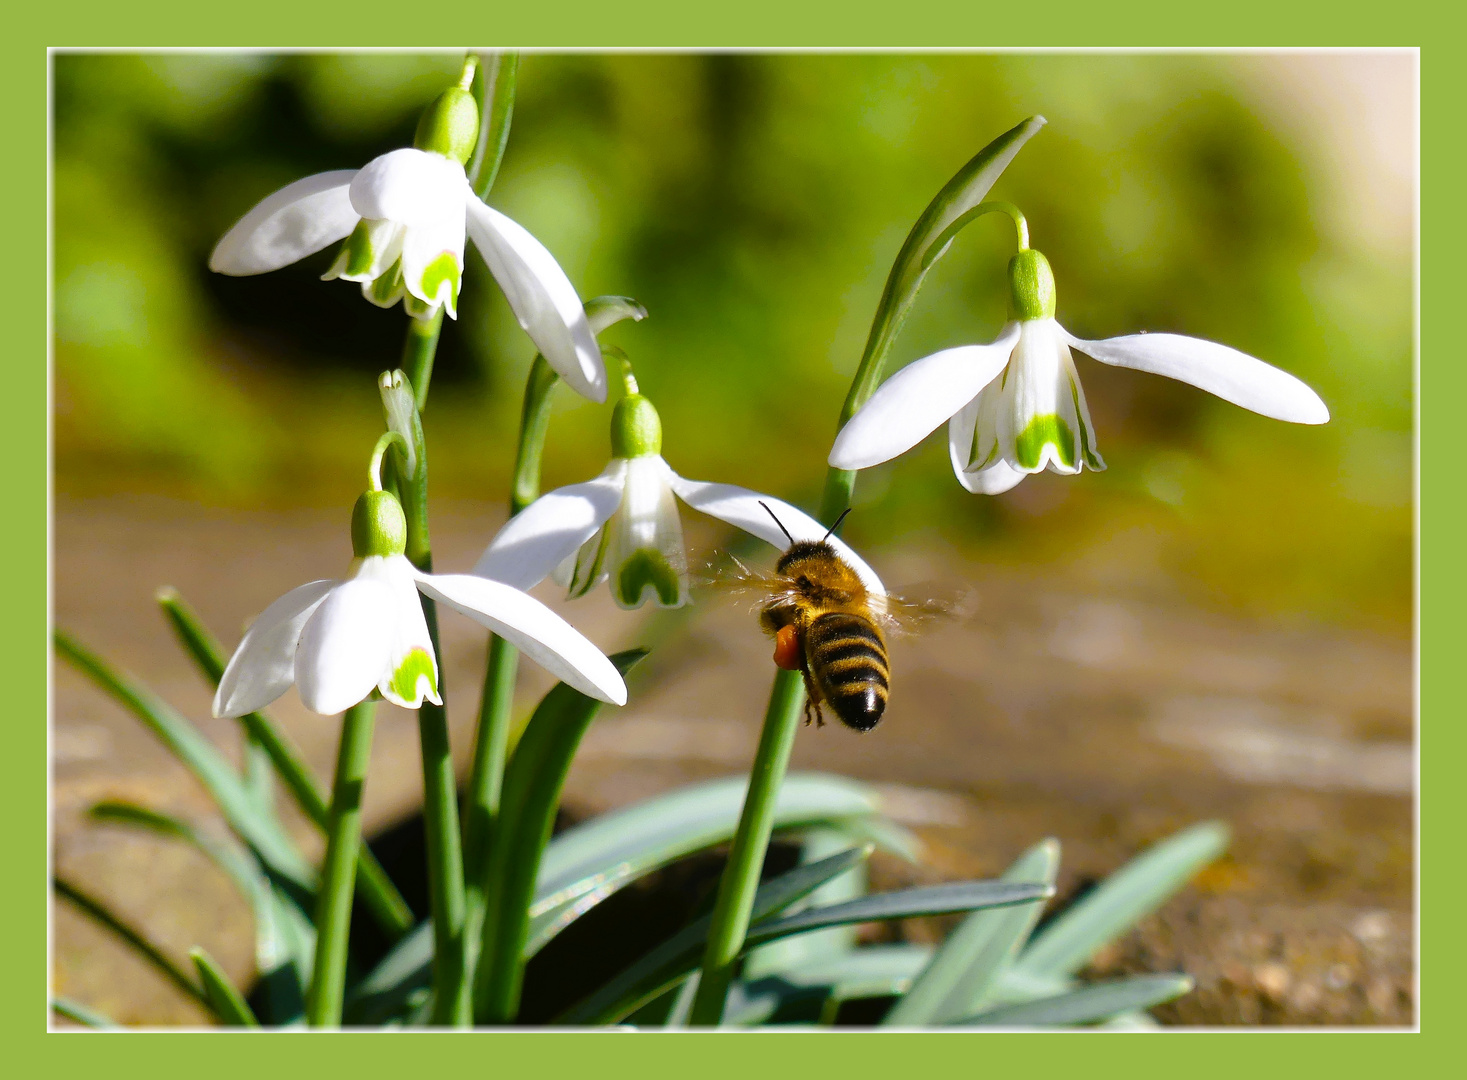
(263, 667)
(383, 240)
(345, 646)
(1036, 407)
(994, 479)
(433, 259)
(410, 186)
(979, 417)
(551, 529)
(532, 628)
(541, 297)
(741, 507)
(915, 401)
(645, 539)
(411, 674)
(296, 221)
(1231, 375)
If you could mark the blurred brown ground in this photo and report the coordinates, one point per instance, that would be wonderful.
(1082, 701)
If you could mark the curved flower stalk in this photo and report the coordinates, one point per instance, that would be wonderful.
(339, 640)
(623, 526)
(404, 217)
(1015, 406)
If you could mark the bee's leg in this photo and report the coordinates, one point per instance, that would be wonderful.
(812, 700)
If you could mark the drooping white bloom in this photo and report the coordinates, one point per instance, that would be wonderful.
(623, 526)
(338, 640)
(404, 218)
(1015, 405)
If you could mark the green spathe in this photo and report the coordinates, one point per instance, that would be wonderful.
(646, 566)
(1047, 430)
(417, 664)
(450, 126)
(378, 526)
(1031, 286)
(636, 429)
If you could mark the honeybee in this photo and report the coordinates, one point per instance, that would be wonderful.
(829, 626)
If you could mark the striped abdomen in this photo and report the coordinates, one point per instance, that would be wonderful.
(847, 659)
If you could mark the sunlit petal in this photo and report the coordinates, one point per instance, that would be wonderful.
(1231, 375)
(532, 628)
(411, 674)
(263, 667)
(345, 645)
(296, 221)
(541, 297)
(645, 556)
(916, 400)
(551, 529)
(411, 186)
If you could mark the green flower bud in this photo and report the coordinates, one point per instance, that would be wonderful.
(636, 429)
(378, 526)
(1031, 286)
(450, 126)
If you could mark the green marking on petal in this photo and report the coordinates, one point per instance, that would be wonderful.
(646, 566)
(1044, 431)
(1086, 450)
(443, 268)
(358, 251)
(418, 309)
(416, 665)
(387, 288)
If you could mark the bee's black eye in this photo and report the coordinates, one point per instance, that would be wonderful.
(802, 581)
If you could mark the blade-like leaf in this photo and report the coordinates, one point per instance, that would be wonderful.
(964, 968)
(226, 1001)
(905, 904)
(78, 1013)
(671, 961)
(532, 784)
(870, 971)
(103, 915)
(494, 90)
(1089, 1005)
(799, 949)
(375, 888)
(285, 940)
(1117, 903)
(187, 743)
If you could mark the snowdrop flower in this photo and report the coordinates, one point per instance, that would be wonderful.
(404, 218)
(338, 640)
(1015, 405)
(623, 526)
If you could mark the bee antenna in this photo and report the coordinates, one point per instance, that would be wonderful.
(838, 520)
(782, 529)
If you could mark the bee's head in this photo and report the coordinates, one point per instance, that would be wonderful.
(816, 569)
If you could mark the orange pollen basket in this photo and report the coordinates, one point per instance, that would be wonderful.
(787, 648)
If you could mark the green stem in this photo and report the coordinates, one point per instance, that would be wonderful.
(491, 740)
(740, 879)
(440, 797)
(374, 886)
(343, 840)
(418, 352)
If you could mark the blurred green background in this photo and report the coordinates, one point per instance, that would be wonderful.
(754, 203)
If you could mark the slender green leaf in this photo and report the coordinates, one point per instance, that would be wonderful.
(904, 904)
(285, 940)
(226, 1001)
(375, 888)
(532, 785)
(1121, 900)
(494, 90)
(1088, 1005)
(103, 915)
(814, 991)
(78, 1013)
(260, 830)
(671, 961)
(963, 969)
(798, 949)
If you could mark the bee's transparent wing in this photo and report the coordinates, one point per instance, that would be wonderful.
(732, 577)
(926, 604)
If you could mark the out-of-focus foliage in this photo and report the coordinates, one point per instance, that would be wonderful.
(753, 204)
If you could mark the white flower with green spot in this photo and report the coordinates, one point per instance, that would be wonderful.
(1015, 406)
(623, 527)
(337, 641)
(404, 218)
